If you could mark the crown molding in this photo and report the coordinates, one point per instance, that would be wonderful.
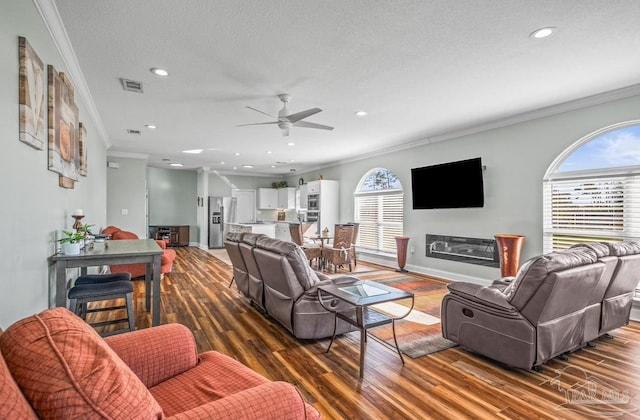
(52, 20)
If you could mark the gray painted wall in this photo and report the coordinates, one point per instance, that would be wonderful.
(516, 159)
(126, 189)
(34, 208)
(172, 198)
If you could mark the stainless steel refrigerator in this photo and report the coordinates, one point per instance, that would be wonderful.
(221, 211)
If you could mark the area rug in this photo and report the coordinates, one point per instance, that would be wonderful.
(419, 333)
(220, 254)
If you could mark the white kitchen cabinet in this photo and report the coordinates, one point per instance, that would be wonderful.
(286, 198)
(313, 187)
(326, 212)
(302, 197)
(267, 198)
(282, 232)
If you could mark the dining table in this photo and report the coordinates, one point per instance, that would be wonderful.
(322, 238)
(112, 252)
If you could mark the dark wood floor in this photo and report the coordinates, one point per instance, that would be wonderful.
(452, 384)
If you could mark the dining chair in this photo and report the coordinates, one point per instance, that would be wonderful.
(312, 251)
(354, 239)
(338, 253)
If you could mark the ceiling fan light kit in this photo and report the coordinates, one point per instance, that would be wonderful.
(285, 120)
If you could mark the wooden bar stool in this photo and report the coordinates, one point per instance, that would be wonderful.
(100, 288)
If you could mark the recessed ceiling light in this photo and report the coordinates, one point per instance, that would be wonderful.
(248, 166)
(292, 160)
(221, 163)
(273, 166)
(291, 143)
(235, 167)
(361, 113)
(237, 153)
(159, 72)
(542, 33)
(176, 164)
(151, 126)
(269, 152)
(194, 151)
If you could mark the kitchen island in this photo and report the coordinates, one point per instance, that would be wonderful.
(268, 229)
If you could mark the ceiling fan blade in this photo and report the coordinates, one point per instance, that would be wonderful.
(307, 124)
(302, 114)
(262, 112)
(271, 122)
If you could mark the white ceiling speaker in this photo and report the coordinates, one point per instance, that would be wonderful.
(285, 120)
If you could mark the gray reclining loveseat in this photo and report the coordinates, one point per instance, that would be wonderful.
(276, 277)
(557, 303)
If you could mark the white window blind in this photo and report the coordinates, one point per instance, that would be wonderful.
(381, 217)
(591, 209)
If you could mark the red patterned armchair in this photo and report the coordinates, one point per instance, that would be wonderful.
(139, 270)
(55, 366)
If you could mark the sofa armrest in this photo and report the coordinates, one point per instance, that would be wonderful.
(168, 256)
(158, 353)
(323, 277)
(487, 296)
(273, 400)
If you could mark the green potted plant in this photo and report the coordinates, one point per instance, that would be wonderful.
(71, 242)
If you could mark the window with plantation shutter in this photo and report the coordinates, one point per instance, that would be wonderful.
(592, 192)
(379, 204)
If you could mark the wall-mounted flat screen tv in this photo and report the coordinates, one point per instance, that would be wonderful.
(448, 185)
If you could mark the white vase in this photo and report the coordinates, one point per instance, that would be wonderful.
(71, 248)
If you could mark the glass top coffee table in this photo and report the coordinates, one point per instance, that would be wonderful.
(360, 295)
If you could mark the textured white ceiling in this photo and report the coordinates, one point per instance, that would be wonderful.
(421, 69)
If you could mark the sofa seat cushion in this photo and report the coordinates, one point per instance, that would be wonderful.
(13, 405)
(66, 370)
(216, 376)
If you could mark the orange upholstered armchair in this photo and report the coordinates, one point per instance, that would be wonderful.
(139, 270)
(56, 366)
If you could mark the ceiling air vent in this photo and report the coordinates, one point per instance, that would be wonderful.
(131, 85)
(132, 131)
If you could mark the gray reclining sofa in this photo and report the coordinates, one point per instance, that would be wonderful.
(557, 303)
(276, 277)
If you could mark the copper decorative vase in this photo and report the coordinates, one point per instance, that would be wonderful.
(509, 247)
(401, 246)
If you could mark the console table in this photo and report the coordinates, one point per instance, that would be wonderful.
(174, 235)
(125, 251)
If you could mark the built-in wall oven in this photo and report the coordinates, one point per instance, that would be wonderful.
(313, 202)
(312, 216)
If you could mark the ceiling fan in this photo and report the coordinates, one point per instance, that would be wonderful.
(285, 120)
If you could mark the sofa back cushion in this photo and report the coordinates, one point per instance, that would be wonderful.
(13, 405)
(295, 256)
(534, 272)
(123, 234)
(110, 230)
(66, 370)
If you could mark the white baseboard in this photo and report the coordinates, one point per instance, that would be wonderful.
(391, 262)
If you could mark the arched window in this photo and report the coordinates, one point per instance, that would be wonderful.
(592, 190)
(379, 210)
